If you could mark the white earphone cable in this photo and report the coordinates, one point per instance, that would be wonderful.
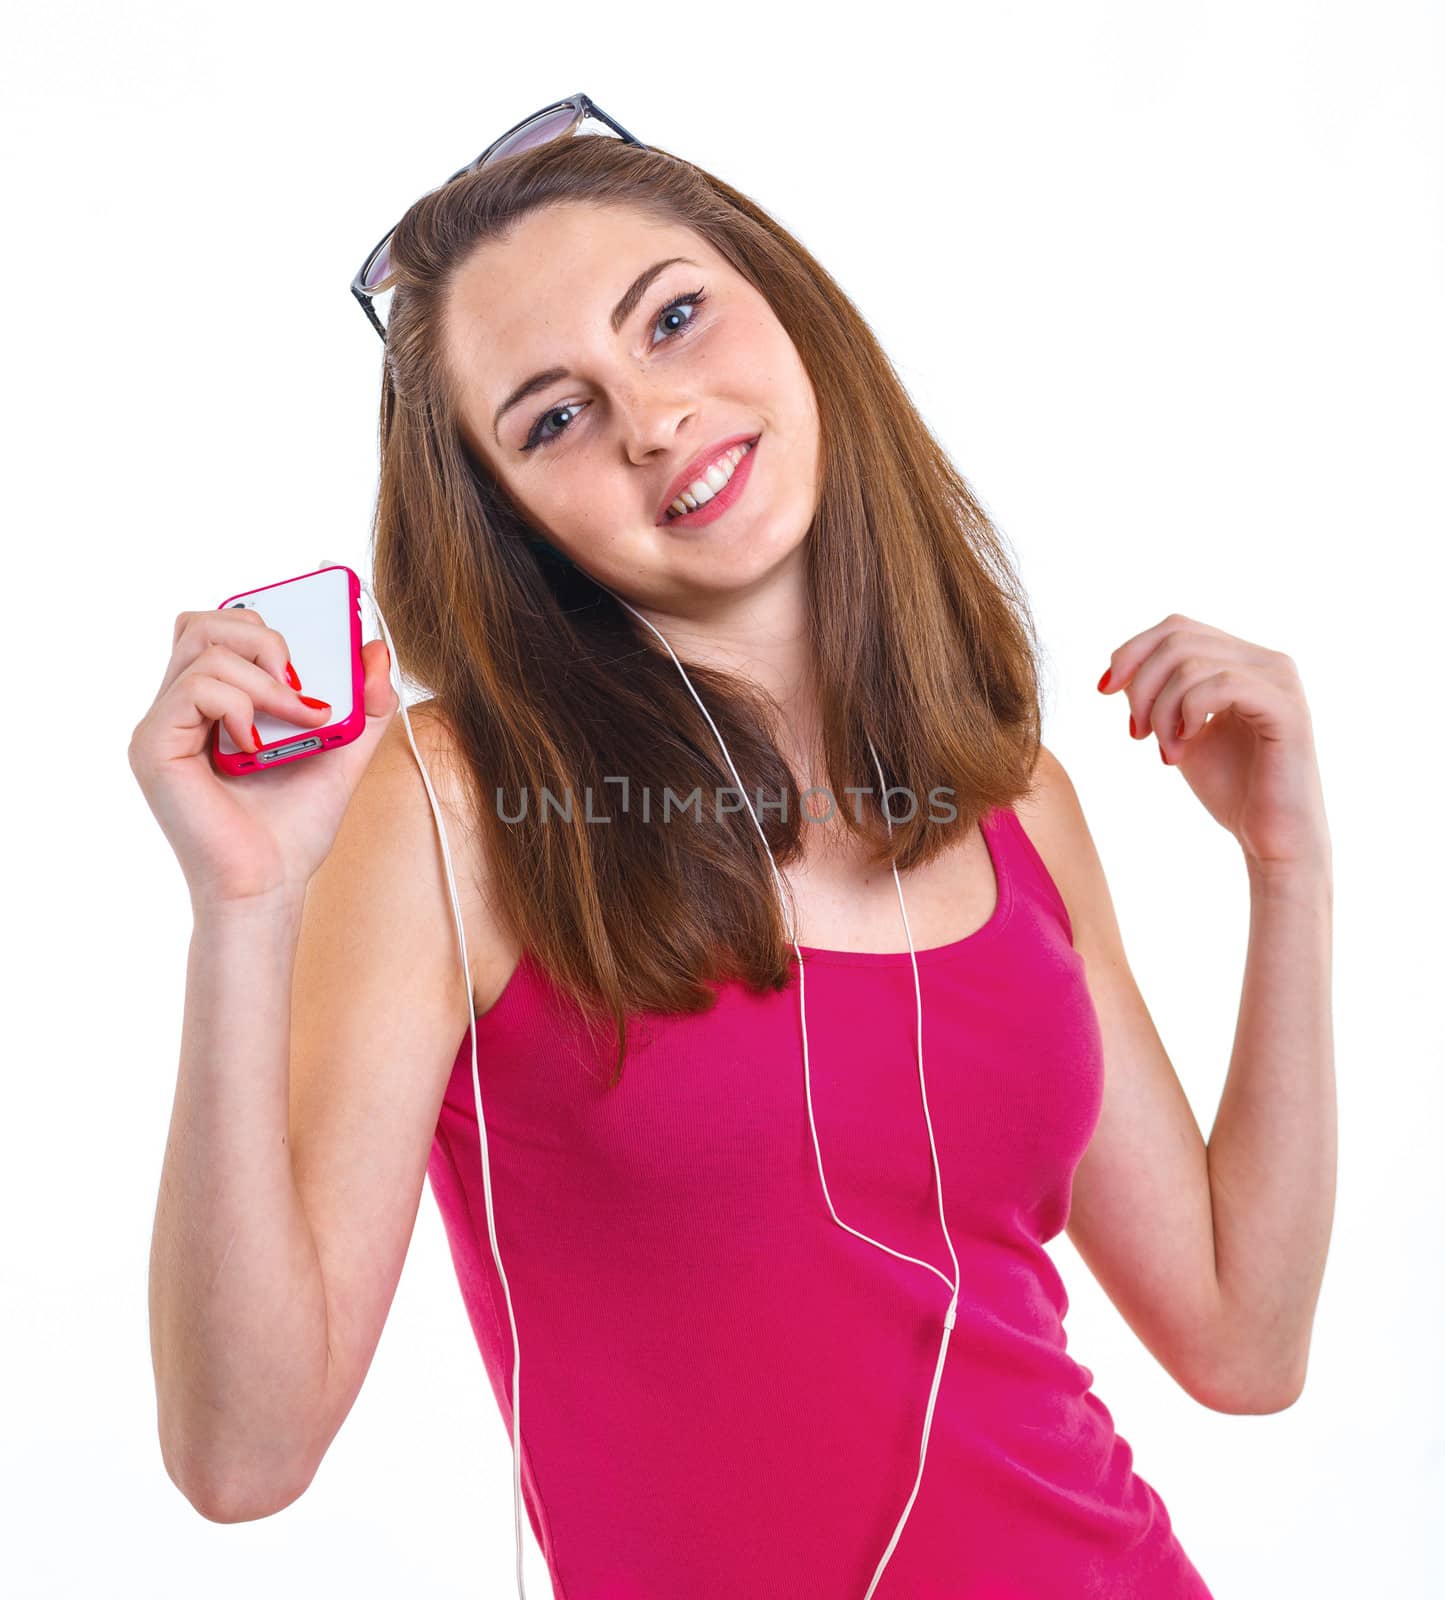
(949, 1317)
(476, 1089)
(950, 1314)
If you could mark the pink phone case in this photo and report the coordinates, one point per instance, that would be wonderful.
(319, 615)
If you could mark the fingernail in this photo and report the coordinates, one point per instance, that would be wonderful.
(1133, 731)
(1179, 731)
(316, 705)
(388, 657)
(1104, 681)
(256, 737)
(1165, 759)
(291, 677)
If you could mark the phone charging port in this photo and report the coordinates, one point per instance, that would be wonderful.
(290, 748)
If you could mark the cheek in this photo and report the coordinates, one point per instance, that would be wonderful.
(776, 364)
(586, 491)
(584, 506)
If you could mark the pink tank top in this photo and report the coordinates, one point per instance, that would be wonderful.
(723, 1392)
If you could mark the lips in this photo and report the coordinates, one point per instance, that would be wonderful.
(697, 468)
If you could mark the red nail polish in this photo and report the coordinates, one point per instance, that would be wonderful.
(291, 677)
(388, 657)
(255, 736)
(1133, 731)
(1165, 759)
(1179, 731)
(1104, 681)
(316, 705)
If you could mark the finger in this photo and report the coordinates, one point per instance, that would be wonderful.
(381, 696)
(240, 629)
(1181, 652)
(1126, 660)
(193, 706)
(260, 689)
(1165, 710)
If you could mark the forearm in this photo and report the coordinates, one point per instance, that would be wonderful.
(237, 1308)
(1272, 1151)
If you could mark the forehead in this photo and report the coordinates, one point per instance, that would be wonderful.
(557, 274)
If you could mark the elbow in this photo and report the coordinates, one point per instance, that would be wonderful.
(223, 1506)
(1253, 1392)
(1251, 1402)
(219, 1498)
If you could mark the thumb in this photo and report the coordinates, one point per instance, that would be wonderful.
(380, 702)
(381, 699)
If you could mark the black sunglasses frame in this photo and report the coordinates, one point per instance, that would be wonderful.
(580, 103)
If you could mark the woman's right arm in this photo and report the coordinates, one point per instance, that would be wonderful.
(237, 1303)
(319, 1036)
(318, 1040)
(324, 1004)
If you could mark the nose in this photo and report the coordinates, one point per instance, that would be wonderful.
(650, 423)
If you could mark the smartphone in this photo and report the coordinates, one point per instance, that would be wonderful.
(319, 613)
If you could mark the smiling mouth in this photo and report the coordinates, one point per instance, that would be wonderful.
(716, 489)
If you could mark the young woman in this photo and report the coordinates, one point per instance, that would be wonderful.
(657, 522)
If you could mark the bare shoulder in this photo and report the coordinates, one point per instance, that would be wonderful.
(1042, 810)
(491, 954)
(1054, 820)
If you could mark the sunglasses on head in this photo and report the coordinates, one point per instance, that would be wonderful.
(556, 121)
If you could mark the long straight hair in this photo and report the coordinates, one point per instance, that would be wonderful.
(922, 635)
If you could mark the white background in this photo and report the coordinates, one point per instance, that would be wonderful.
(1166, 280)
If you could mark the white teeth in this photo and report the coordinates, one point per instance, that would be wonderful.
(701, 490)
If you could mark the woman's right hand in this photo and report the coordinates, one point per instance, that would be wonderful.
(238, 838)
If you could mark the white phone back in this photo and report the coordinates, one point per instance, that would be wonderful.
(314, 615)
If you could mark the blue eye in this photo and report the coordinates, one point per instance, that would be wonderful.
(539, 435)
(696, 298)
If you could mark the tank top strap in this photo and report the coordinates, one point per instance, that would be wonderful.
(1030, 879)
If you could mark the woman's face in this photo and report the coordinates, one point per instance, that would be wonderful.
(622, 404)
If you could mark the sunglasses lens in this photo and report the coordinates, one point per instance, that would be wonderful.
(550, 125)
(378, 269)
(538, 131)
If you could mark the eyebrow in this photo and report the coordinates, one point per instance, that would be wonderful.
(620, 313)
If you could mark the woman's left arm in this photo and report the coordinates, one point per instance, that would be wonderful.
(1273, 1146)
(1232, 717)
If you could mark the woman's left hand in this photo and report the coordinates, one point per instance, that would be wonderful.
(1232, 717)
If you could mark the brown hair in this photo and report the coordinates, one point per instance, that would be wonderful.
(922, 633)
